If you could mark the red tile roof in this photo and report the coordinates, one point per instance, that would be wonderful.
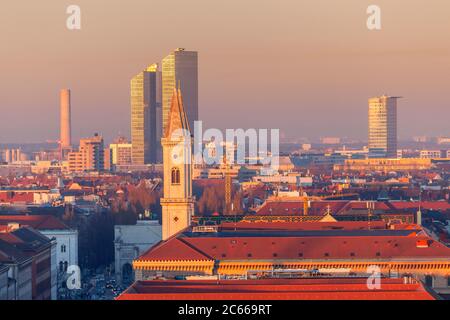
(173, 249)
(39, 222)
(316, 247)
(313, 225)
(268, 248)
(13, 197)
(427, 205)
(276, 289)
(286, 207)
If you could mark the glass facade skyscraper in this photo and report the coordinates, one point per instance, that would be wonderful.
(383, 127)
(143, 116)
(180, 68)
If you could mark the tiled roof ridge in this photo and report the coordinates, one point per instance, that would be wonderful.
(172, 240)
(195, 248)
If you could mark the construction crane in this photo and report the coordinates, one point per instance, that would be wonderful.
(228, 187)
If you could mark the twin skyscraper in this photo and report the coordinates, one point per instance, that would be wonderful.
(151, 96)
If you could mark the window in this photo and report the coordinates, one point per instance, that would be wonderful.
(63, 248)
(429, 281)
(175, 175)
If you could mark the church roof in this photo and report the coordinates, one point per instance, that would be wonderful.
(177, 116)
(173, 249)
(288, 245)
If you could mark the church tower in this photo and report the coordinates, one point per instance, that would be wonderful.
(177, 203)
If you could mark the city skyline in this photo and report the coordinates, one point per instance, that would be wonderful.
(236, 153)
(314, 71)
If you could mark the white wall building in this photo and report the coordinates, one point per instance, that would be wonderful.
(66, 246)
(130, 241)
(432, 154)
(65, 252)
(18, 269)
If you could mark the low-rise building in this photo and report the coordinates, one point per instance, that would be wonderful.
(433, 154)
(39, 248)
(19, 285)
(65, 250)
(384, 165)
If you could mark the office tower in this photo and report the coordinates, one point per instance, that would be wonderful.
(107, 159)
(65, 138)
(159, 132)
(383, 127)
(180, 68)
(89, 157)
(143, 116)
(121, 151)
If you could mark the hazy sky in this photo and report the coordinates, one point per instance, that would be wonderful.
(306, 67)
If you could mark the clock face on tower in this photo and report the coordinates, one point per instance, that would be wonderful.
(177, 155)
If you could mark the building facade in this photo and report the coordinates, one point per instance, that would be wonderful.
(144, 88)
(130, 241)
(121, 153)
(180, 68)
(384, 165)
(18, 269)
(434, 154)
(383, 127)
(89, 157)
(4, 281)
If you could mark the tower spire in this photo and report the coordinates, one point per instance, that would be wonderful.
(177, 115)
(177, 203)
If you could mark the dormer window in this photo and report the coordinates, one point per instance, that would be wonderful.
(175, 176)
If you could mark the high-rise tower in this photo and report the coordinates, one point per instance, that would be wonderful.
(178, 203)
(143, 116)
(65, 120)
(180, 67)
(383, 127)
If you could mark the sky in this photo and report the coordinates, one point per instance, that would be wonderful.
(306, 67)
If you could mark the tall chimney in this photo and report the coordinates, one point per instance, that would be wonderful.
(66, 139)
